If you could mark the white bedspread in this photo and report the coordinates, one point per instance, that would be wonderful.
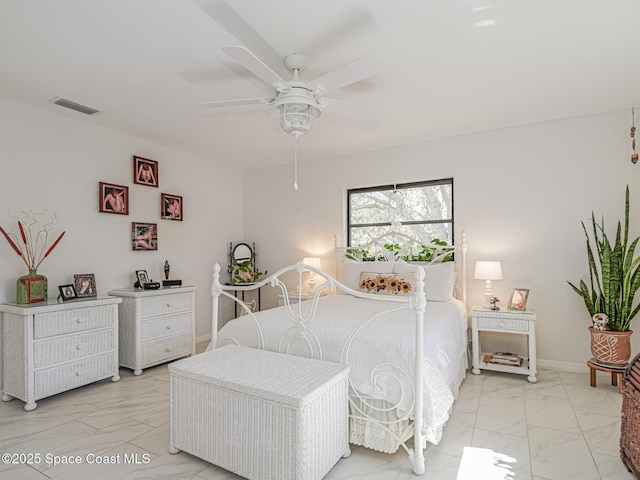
(386, 340)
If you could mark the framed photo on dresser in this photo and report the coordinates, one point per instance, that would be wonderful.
(85, 285)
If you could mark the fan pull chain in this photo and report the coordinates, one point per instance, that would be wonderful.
(295, 163)
(634, 156)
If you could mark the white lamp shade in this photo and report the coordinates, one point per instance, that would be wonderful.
(486, 270)
(312, 262)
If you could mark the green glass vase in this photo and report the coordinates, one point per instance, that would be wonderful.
(31, 288)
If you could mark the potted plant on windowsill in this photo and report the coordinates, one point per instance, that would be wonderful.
(614, 279)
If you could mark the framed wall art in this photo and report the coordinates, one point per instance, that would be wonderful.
(145, 172)
(170, 207)
(85, 285)
(114, 198)
(67, 292)
(518, 299)
(144, 236)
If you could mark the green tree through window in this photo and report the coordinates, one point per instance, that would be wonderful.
(420, 210)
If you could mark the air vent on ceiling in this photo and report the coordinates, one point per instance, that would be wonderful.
(63, 102)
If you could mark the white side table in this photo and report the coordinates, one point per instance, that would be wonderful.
(504, 321)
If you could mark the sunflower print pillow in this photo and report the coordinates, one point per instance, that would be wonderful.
(386, 283)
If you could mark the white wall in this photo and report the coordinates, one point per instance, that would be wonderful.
(54, 162)
(519, 194)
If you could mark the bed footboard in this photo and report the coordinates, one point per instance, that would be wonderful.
(361, 406)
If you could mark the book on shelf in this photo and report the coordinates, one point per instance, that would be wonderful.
(499, 358)
(504, 356)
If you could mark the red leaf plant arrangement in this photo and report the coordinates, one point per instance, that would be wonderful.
(31, 245)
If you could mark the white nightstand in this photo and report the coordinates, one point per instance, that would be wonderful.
(504, 321)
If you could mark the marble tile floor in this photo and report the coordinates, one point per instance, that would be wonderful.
(502, 427)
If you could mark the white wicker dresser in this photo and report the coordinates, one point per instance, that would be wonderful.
(155, 325)
(52, 347)
(260, 414)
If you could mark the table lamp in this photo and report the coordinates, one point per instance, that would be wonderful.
(312, 262)
(488, 271)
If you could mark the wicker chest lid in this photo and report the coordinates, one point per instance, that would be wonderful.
(286, 379)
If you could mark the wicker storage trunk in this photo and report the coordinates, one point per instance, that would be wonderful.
(630, 431)
(260, 414)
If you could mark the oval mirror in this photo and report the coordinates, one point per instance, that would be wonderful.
(241, 253)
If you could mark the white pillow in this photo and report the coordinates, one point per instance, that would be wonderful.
(438, 280)
(351, 271)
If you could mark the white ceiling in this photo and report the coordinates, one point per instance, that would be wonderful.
(449, 67)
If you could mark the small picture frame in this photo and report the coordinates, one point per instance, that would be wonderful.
(85, 285)
(145, 172)
(170, 207)
(518, 299)
(144, 236)
(142, 277)
(67, 292)
(114, 198)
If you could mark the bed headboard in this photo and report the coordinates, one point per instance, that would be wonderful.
(395, 246)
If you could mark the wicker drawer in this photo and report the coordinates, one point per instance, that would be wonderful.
(65, 377)
(165, 304)
(503, 324)
(50, 352)
(165, 326)
(167, 349)
(69, 321)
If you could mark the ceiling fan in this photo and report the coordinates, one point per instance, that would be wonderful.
(297, 103)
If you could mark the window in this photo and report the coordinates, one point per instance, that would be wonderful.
(420, 210)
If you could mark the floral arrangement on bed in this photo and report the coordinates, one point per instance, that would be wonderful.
(385, 284)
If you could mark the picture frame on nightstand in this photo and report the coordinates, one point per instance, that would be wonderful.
(518, 299)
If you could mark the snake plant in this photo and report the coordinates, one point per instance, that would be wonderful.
(614, 275)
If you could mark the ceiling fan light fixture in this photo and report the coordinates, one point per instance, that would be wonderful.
(296, 114)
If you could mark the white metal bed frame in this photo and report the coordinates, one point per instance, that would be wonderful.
(300, 321)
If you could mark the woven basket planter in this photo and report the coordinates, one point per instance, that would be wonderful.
(611, 348)
(630, 421)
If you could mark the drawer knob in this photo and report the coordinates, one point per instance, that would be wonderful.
(77, 373)
(78, 347)
(168, 350)
(168, 305)
(79, 320)
(502, 324)
(168, 327)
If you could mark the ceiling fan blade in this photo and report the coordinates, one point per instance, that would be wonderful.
(359, 69)
(236, 103)
(348, 110)
(237, 26)
(256, 66)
